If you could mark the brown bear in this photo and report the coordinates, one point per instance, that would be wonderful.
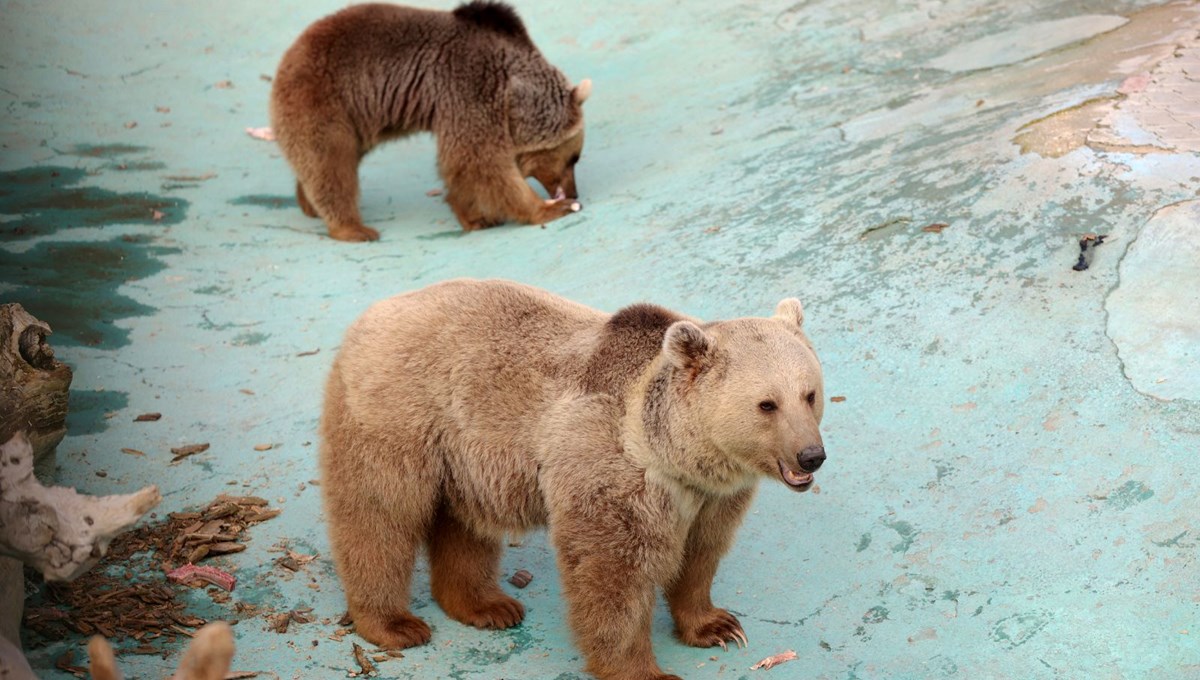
(376, 72)
(463, 411)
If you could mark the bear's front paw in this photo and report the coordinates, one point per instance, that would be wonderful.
(493, 612)
(392, 632)
(711, 629)
(554, 208)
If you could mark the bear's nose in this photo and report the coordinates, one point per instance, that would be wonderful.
(811, 458)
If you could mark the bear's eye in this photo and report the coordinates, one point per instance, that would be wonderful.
(811, 398)
(767, 406)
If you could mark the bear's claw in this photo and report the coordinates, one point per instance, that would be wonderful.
(720, 628)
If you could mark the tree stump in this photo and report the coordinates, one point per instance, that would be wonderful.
(33, 398)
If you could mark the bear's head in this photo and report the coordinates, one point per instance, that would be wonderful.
(736, 400)
(548, 135)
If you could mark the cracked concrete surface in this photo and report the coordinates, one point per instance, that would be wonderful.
(1009, 493)
(1154, 314)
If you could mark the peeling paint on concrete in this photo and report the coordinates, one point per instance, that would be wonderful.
(1154, 313)
(1025, 42)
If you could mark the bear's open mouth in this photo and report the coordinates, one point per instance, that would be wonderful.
(797, 480)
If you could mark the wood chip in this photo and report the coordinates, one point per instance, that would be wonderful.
(263, 516)
(837, 400)
(64, 663)
(433, 192)
(360, 655)
(147, 417)
(521, 578)
(133, 452)
(263, 447)
(935, 228)
(309, 353)
(182, 452)
(280, 622)
(238, 675)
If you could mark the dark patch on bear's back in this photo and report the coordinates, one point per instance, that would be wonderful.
(494, 16)
(630, 340)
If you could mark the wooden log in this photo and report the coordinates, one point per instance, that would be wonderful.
(33, 398)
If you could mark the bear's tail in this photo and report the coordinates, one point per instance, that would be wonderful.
(494, 16)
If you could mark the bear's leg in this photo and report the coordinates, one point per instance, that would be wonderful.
(611, 606)
(326, 165)
(302, 201)
(375, 542)
(697, 622)
(464, 569)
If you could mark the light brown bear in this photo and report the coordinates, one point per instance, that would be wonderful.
(468, 409)
(376, 72)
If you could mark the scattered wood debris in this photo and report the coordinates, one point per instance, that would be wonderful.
(133, 452)
(127, 595)
(309, 353)
(360, 655)
(837, 400)
(147, 417)
(935, 228)
(182, 452)
(263, 447)
(521, 578)
(772, 661)
(224, 85)
(433, 192)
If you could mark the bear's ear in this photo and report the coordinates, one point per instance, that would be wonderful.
(582, 90)
(789, 310)
(685, 344)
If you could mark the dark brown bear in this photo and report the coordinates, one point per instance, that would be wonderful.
(376, 72)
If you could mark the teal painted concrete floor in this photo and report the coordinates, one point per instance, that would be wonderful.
(1011, 490)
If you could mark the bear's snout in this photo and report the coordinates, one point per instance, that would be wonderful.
(811, 458)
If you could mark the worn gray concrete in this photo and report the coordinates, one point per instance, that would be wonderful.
(1010, 491)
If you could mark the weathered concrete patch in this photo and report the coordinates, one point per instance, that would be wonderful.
(1151, 112)
(1024, 42)
(1154, 313)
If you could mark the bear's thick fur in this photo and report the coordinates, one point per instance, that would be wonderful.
(375, 72)
(468, 409)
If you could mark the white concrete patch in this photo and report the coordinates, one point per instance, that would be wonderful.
(1154, 313)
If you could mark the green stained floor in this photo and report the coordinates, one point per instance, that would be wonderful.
(1011, 490)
